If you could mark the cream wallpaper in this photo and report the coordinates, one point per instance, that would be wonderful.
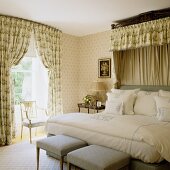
(70, 72)
(80, 66)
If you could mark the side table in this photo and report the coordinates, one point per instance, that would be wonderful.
(88, 107)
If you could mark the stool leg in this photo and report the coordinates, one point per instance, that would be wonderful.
(68, 166)
(30, 135)
(61, 163)
(21, 130)
(38, 155)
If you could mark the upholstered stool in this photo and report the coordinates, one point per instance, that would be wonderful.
(96, 157)
(59, 145)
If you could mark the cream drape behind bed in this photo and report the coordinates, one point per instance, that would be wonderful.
(143, 66)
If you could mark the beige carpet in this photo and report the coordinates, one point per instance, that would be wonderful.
(22, 156)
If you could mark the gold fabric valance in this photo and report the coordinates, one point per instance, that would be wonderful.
(156, 32)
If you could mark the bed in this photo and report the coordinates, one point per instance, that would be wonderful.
(144, 137)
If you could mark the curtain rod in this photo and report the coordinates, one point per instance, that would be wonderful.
(29, 21)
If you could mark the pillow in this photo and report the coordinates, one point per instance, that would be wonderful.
(134, 91)
(145, 103)
(114, 107)
(163, 108)
(127, 99)
(164, 93)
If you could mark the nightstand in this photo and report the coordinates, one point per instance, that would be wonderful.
(88, 107)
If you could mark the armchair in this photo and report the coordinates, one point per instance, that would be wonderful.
(30, 116)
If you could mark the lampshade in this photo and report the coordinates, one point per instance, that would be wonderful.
(97, 86)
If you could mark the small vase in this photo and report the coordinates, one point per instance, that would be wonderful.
(87, 104)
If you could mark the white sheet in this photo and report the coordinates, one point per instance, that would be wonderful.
(142, 137)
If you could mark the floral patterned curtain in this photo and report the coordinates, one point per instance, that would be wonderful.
(48, 46)
(156, 32)
(14, 41)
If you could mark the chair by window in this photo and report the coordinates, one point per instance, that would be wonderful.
(31, 117)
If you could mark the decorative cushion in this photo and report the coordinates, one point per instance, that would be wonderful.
(127, 100)
(164, 93)
(163, 108)
(145, 103)
(134, 91)
(114, 107)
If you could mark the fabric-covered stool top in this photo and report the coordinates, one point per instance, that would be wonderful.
(96, 157)
(60, 144)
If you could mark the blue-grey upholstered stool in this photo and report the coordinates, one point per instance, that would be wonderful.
(96, 157)
(59, 145)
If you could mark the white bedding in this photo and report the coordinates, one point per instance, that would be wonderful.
(143, 137)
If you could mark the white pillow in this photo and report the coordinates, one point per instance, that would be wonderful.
(164, 93)
(145, 103)
(114, 107)
(127, 99)
(163, 108)
(122, 92)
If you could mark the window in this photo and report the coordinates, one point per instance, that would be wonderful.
(22, 80)
(30, 81)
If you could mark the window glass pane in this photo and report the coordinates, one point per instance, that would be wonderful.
(18, 78)
(25, 64)
(22, 80)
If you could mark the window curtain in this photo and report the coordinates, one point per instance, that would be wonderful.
(14, 41)
(156, 32)
(40, 90)
(143, 66)
(48, 47)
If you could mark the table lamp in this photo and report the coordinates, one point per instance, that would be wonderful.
(97, 87)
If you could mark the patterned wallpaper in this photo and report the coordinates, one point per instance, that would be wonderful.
(70, 72)
(80, 66)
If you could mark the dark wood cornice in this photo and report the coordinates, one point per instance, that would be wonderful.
(143, 17)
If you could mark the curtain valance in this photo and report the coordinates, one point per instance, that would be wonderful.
(156, 32)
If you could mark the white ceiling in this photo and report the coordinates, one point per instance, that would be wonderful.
(79, 17)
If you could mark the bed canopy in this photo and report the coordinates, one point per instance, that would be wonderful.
(141, 49)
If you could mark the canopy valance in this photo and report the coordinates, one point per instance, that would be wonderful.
(156, 32)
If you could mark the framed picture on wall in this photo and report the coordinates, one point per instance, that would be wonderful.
(104, 68)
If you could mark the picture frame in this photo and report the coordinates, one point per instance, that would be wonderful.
(104, 68)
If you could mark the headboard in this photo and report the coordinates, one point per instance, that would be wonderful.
(145, 87)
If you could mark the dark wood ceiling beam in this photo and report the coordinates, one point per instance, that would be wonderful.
(143, 17)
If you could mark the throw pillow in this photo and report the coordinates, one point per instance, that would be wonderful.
(127, 99)
(114, 107)
(163, 108)
(164, 93)
(145, 103)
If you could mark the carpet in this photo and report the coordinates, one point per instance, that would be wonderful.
(22, 156)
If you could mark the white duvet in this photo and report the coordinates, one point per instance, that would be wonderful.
(124, 132)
